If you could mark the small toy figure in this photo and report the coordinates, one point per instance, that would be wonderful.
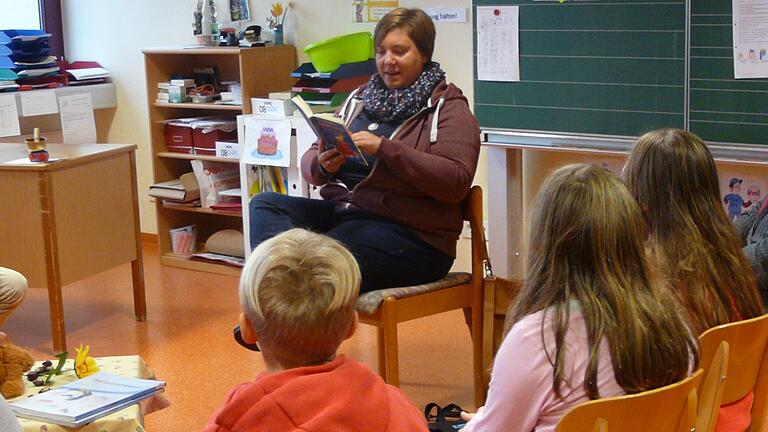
(733, 200)
(36, 145)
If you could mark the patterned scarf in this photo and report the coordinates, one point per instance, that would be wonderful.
(399, 104)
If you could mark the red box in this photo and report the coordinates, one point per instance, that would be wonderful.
(178, 135)
(204, 139)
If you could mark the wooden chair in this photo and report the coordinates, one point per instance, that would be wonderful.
(747, 366)
(711, 389)
(497, 297)
(388, 307)
(666, 409)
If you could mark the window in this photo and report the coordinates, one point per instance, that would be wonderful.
(35, 14)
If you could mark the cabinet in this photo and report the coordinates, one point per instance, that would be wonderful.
(260, 71)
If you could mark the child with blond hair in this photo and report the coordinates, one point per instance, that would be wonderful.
(298, 292)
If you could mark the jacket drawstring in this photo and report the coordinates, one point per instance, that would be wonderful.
(433, 130)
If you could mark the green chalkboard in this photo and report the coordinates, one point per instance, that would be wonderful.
(613, 67)
(617, 67)
(722, 109)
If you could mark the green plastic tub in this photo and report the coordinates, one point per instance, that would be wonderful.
(328, 55)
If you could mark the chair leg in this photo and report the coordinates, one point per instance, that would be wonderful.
(381, 349)
(389, 323)
(477, 353)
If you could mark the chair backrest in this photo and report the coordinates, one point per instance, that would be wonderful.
(667, 409)
(472, 207)
(711, 390)
(747, 364)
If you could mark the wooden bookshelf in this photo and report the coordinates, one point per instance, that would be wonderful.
(187, 156)
(259, 71)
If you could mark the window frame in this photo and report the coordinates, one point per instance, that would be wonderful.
(50, 22)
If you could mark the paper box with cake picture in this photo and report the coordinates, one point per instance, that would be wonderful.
(267, 142)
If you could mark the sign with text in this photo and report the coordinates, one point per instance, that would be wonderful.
(268, 108)
(447, 15)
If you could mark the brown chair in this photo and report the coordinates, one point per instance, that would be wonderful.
(711, 389)
(666, 409)
(499, 294)
(747, 365)
(388, 307)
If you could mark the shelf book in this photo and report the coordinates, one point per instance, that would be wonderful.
(83, 401)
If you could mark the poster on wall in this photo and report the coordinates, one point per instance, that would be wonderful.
(239, 10)
(371, 10)
(750, 38)
(741, 193)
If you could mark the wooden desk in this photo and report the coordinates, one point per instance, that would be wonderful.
(66, 220)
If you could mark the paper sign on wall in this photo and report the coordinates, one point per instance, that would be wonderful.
(77, 123)
(267, 142)
(9, 116)
(372, 10)
(750, 38)
(447, 15)
(38, 102)
(498, 48)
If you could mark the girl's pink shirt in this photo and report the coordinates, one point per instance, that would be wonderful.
(521, 397)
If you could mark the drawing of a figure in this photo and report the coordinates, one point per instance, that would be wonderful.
(733, 200)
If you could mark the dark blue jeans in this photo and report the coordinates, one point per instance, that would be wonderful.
(389, 254)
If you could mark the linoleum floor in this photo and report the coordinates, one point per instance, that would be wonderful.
(187, 339)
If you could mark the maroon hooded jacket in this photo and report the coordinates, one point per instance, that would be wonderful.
(423, 171)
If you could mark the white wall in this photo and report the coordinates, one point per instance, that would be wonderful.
(114, 33)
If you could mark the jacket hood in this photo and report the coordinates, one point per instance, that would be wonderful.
(341, 395)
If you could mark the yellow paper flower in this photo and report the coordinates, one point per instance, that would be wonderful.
(277, 10)
(84, 364)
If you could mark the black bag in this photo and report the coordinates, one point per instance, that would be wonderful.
(445, 419)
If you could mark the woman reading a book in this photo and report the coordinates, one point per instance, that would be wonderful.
(399, 211)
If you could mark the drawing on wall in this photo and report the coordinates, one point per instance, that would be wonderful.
(741, 193)
(371, 10)
(239, 10)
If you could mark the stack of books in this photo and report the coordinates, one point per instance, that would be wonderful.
(85, 73)
(330, 88)
(181, 192)
(233, 95)
(25, 61)
(83, 401)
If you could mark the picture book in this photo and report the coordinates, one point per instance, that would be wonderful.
(331, 130)
(85, 400)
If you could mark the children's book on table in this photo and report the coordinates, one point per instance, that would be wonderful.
(85, 400)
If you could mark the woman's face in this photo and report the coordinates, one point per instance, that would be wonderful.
(398, 59)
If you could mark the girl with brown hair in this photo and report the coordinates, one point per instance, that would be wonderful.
(673, 177)
(591, 320)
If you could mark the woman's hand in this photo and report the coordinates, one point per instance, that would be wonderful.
(331, 160)
(367, 142)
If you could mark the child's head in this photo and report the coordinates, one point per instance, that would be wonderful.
(673, 177)
(298, 292)
(585, 224)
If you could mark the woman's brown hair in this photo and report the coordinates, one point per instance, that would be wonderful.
(416, 23)
(586, 249)
(673, 177)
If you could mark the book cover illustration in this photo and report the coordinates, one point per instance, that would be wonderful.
(85, 400)
(331, 130)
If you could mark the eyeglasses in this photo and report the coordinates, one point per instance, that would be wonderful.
(239, 338)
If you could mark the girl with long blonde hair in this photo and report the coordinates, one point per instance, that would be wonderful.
(591, 320)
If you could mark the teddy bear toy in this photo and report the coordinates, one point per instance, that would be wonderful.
(14, 361)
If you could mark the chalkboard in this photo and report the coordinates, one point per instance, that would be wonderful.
(618, 67)
(722, 109)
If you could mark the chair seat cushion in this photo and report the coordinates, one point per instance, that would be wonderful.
(368, 303)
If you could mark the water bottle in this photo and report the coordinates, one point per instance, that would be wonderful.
(210, 26)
